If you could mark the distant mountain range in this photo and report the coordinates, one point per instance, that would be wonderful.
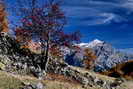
(107, 56)
(127, 50)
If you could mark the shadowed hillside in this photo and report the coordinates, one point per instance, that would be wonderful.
(121, 70)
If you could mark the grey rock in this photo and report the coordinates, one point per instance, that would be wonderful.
(99, 82)
(38, 85)
(38, 72)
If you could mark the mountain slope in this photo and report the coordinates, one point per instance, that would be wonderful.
(87, 80)
(107, 56)
(121, 70)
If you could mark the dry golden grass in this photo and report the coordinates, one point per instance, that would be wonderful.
(63, 85)
(52, 81)
(84, 71)
(10, 81)
(126, 85)
(61, 78)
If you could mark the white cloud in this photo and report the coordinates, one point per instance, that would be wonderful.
(109, 17)
(96, 12)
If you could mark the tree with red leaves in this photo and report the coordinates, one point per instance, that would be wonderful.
(45, 24)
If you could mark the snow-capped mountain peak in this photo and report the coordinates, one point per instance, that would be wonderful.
(91, 44)
(95, 42)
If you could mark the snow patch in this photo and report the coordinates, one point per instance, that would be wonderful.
(91, 44)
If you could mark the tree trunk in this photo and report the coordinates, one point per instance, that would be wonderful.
(45, 55)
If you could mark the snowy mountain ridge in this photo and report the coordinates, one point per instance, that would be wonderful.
(90, 44)
(107, 55)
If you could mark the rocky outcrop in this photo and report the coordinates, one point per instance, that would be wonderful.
(13, 58)
(86, 78)
(107, 56)
(8, 47)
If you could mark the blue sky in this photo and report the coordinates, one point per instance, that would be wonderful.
(107, 20)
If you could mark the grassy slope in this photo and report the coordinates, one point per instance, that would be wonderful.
(82, 70)
(10, 81)
(53, 81)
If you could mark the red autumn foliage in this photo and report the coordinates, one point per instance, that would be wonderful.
(21, 34)
(3, 19)
(46, 23)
